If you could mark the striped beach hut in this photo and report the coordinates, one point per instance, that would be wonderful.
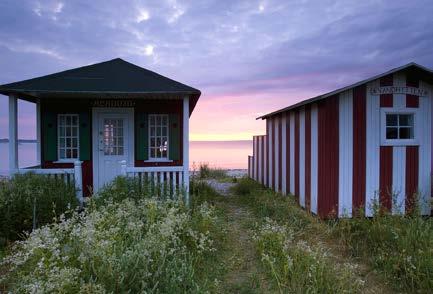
(365, 144)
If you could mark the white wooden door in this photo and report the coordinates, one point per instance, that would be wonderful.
(113, 145)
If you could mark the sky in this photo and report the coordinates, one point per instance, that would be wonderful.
(247, 57)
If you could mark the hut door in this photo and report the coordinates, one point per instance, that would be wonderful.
(113, 145)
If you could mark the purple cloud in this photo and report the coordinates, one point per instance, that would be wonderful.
(280, 51)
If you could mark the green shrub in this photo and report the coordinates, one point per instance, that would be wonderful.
(202, 192)
(298, 267)
(399, 247)
(246, 186)
(206, 172)
(29, 195)
(131, 246)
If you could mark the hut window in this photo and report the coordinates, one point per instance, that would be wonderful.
(68, 136)
(398, 127)
(158, 136)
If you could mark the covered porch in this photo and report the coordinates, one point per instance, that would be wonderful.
(104, 120)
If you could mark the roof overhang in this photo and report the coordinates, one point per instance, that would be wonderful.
(113, 79)
(424, 72)
(34, 96)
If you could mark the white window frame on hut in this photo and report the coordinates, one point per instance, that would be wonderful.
(156, 131)
(63, 137)
(383, 127)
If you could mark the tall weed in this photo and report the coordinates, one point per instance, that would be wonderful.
(207, 172)
(288, 241)
(30, 199)
(399, 247)
(298, 267)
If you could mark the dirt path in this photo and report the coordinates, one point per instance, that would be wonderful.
(243, 269)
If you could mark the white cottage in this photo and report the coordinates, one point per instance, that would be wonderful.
(107, 119)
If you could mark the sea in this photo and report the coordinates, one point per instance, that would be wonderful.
(231, 155)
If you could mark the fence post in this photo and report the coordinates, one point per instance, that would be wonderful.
(78, 179)
(123, 168)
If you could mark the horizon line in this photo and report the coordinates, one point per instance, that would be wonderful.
(26, 139)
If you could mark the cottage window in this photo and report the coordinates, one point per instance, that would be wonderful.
(68, 144)
(399, 128)
(158, 136)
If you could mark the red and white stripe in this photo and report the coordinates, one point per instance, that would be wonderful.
(284, 175)
(276, 155)
(330, 154)
(302, 157)
(345, 153)
(314, 158)
(271, 153)
(292, 152)
(257, 168)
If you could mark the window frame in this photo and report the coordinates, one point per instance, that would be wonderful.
(149, 151)
(59, 159)
(398, 142)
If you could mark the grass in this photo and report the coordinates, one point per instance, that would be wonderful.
(301, 267)
(252, 241)
(206, 172)
(401, 248)
(31, 200)
(236, 266)
(267, 204)
(292, 245)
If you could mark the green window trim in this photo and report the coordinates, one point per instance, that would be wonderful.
(174, 136)
(49, 136)
(141, 136)
(85, 136)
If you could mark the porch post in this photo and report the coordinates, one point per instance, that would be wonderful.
(38, 132)
(13, 134)
(186, 147)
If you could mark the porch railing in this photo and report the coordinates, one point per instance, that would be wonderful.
(68, 175)
(170, 178)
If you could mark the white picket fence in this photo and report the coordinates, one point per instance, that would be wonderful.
(168, 178)
(68, 175)
(173, 179)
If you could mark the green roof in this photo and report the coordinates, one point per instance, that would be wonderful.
(115, 78)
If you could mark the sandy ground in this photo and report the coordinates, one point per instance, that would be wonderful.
(238, 173)
(220, 187)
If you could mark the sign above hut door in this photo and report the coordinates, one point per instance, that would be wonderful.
(114, 136)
